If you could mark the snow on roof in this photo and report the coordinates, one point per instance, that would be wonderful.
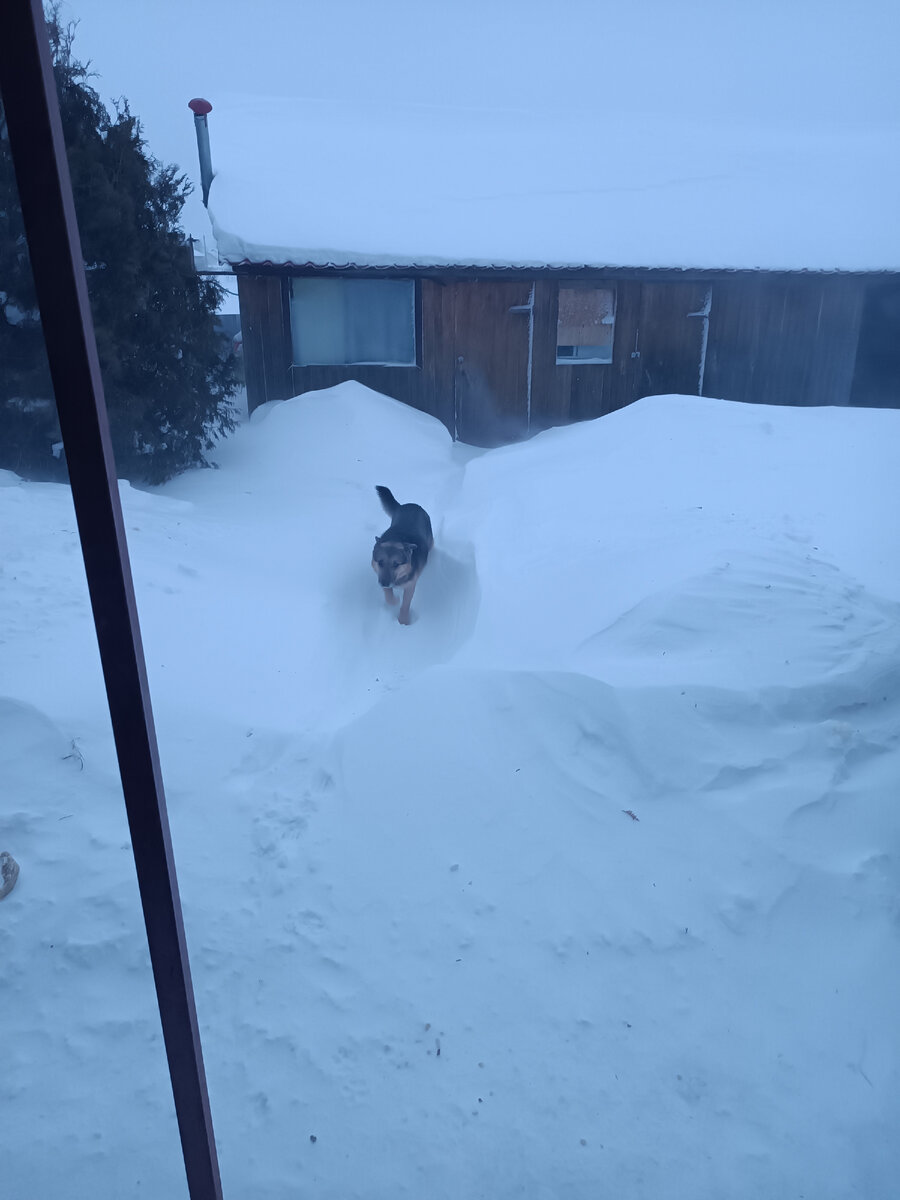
(334, 183)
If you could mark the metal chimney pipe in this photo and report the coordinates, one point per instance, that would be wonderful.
(200, 108)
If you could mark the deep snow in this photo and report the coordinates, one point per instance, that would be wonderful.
(521, 185)
(584, 885)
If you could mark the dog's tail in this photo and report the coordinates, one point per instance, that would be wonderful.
(388, 503)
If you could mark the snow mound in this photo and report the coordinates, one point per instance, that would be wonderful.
(26, 733)
(315, 446)
(788, 620)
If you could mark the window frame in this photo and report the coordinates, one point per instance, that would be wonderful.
(314, 362)
(595, 286)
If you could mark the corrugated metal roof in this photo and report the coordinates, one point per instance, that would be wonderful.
(531, 269)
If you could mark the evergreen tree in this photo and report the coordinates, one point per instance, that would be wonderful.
(167, 373)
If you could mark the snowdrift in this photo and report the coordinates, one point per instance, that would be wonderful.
(582, 885)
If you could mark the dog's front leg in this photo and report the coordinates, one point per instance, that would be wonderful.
(403, 615)
(389, 596)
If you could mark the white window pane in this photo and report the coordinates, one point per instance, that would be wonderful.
(317, 321)
(338, 322)
(380, 320)
(584, 353)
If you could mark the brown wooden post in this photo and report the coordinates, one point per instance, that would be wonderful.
(35, 136)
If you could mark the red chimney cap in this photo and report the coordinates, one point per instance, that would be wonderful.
(200, 107)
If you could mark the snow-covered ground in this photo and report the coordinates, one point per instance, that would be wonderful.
(584, 885)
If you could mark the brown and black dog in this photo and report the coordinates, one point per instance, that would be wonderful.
(401, 552)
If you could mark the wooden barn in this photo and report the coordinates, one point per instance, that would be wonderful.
(504, 306)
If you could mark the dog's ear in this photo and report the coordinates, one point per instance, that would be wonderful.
(410, 548)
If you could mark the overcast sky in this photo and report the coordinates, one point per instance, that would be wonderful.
(762, 61)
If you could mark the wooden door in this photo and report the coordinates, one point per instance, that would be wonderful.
(671, 339)
(491, 347)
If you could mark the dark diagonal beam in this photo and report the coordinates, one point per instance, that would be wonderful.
(35, 137)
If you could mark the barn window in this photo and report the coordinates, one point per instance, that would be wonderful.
(339, 322)
(587, 320)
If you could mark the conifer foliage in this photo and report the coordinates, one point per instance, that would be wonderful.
(167, 374)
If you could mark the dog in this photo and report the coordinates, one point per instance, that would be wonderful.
(401, 552)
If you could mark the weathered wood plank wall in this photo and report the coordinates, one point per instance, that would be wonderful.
(266, 338)
(774, 339)
(784, 340)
